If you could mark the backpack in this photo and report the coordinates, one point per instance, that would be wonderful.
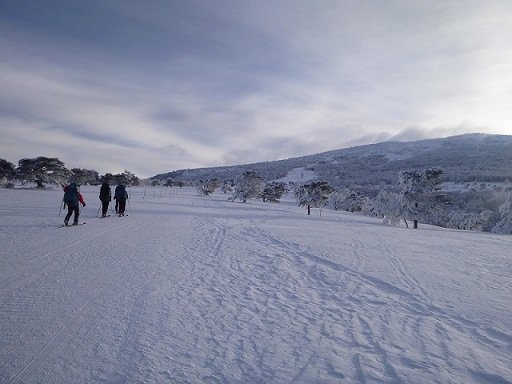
(105, 191)
(71, 194)
(121, 192)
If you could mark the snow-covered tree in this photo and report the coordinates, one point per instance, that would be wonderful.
(168, 183)
(273, 191)
(470, 221)
(107, 178)
(313, 194)
(504, 225)
(42, 170)
(226, 187)
(131, 178)
(206, 187)
(388, 205)
(346, 199)
(85, 176)
(7, 170)
(126, 178)
(418, 189)
(247, 185)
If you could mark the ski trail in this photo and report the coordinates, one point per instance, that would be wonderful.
(408, 305)
(264, 288)
(41, 293)
(61, 253)
(323, 311)
(38, 291)
(199, 290)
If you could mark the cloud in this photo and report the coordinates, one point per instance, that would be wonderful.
(173, 85)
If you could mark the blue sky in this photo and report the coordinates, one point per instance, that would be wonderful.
(155, 86)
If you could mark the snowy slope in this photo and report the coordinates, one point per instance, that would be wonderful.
(298, 175)
(464, 158)
(193, 289)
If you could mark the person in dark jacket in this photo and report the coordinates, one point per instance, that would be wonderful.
(121, 196)
(105, 197)
(72, 197)
(115, 198)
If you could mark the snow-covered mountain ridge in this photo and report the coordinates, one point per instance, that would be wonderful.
(464, 158)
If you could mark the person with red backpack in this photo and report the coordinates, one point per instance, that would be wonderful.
(72, 197)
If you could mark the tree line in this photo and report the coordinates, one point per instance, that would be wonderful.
(417, 198)
(44, 171)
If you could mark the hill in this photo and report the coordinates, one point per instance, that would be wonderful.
(464, 158)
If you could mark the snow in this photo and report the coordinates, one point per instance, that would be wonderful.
(196, 289)
(298, 175)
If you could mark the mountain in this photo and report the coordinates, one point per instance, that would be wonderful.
(464, 158)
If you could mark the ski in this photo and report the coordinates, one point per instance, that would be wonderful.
(63, 225)
(104, 217)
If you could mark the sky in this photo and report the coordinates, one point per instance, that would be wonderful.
(162, 85)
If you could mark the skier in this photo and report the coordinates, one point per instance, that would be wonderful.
(105, 197)
(71, 198)
(121, 196)
(115, 198)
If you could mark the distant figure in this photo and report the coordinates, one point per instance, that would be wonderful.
(121, 196)
(115, 198)
(105, 197)
(71, 198)
(116, 192)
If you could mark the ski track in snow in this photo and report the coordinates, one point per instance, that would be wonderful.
(193, 289)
